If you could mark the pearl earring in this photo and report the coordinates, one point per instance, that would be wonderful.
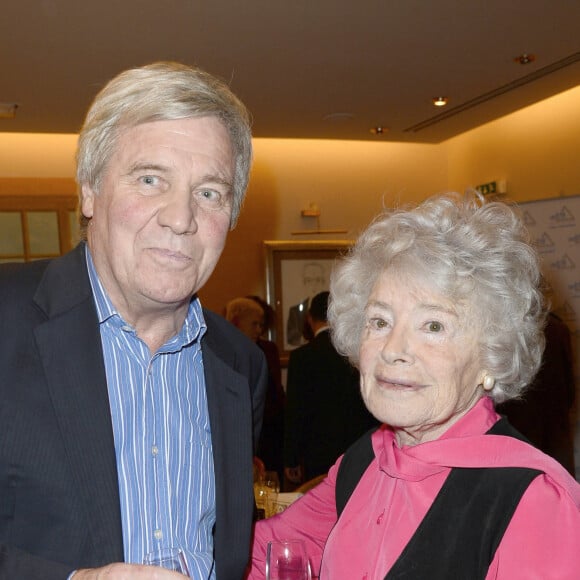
(488, 382)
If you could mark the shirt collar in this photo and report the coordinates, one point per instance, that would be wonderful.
(323, 329)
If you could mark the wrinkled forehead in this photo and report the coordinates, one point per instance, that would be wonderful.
(435, 279)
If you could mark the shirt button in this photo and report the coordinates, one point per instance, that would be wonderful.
(127, 328)
(154, 450)
(158, 534)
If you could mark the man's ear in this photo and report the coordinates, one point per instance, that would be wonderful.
(87, 200)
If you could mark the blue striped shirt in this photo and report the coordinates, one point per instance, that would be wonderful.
(162, 437)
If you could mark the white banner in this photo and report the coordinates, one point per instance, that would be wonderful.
(555, 227)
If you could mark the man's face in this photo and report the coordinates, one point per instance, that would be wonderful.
(160, 218)
(251, 324)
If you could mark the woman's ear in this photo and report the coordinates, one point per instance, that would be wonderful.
(488, 382)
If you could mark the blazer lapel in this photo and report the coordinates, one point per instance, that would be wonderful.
(69, 344)
(231, 420)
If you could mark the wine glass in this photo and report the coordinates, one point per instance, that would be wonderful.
(287, 560)
(272, 481)
(168, 558)
(262, 497)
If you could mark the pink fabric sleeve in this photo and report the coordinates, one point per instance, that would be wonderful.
(543, 538)
(310, 518)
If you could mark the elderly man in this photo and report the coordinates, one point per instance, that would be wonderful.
(128, 410)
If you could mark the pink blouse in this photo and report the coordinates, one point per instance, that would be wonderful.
(541, 542)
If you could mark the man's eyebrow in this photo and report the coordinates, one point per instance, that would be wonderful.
(145, 166)
(217, 179)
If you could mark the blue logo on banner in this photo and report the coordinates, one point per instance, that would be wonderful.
(564, 263)
(574, 289)
(528, 219)
(564, 217)
(544, 242)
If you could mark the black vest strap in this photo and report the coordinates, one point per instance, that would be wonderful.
(354, 463)
(461, 531)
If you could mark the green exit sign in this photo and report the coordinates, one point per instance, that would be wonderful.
(487, 188)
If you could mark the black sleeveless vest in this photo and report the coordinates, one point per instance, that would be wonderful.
(462, 529)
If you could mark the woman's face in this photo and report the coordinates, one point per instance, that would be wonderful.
(419, 360)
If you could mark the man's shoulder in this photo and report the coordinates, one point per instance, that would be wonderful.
(301, 352)
(223, 337)
(22, 272)
(18, 281)
(217, 324)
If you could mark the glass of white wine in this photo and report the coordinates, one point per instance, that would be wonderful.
(168, 558)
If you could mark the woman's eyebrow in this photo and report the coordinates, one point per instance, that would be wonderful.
(439, 308)
(377, 304)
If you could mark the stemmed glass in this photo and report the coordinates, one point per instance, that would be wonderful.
(272, 481)
(168, 558)
(266, 489)
(287, 560)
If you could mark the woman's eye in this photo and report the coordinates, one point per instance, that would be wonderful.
(377, 323)
(434, 326)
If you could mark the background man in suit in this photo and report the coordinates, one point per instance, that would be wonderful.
(125, 423)
(324, 409)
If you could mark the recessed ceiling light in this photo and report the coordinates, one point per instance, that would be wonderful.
(379, 130)
(8, 110)
(525, 58)
(440, 101)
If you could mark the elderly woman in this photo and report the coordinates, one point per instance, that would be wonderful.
(440, 308)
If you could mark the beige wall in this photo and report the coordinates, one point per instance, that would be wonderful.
(536, 150)
(36, 154)
(347, 180)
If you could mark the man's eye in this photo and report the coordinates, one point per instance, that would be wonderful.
(434, 326)
(149, 180)
(209, 194)
(210, 199)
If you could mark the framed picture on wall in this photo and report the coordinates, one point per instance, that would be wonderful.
(295, 273)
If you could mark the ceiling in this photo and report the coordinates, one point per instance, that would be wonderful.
(329, 69)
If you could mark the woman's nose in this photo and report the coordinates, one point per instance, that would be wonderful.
(396, 348)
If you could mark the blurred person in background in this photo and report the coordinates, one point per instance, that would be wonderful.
(251, 315)
(542, 415)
